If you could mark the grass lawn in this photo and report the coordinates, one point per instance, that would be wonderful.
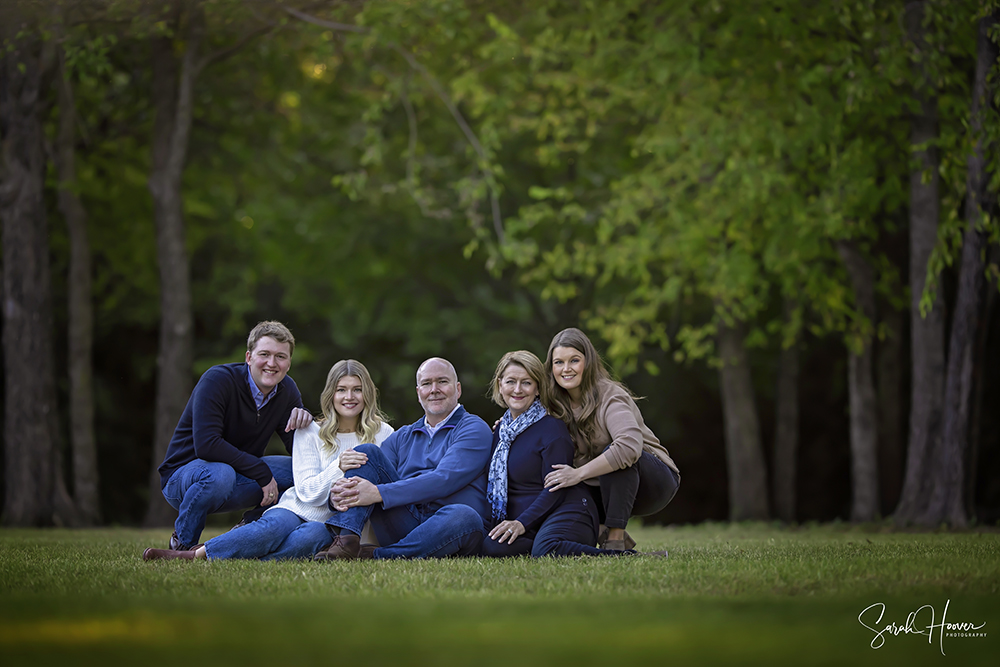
(728, 594)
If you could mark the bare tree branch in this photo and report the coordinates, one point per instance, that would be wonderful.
(222, 54)
(323, 23)
(466, 130)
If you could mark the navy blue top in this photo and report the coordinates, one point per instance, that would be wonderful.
(221, 423)
(531, 457)
(448, 469)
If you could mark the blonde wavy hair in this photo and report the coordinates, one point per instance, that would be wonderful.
(532, 365)
(371, 419)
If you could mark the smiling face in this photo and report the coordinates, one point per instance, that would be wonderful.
(348, 401)
(269, 362)
(438, 389)
(518, 389)
(568, 364)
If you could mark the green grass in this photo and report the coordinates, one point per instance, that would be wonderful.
(728, 594)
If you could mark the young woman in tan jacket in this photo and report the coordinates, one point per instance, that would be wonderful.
(615, 451)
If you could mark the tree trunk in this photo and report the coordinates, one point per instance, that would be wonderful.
(172, 98)
(81, 319)
(978, 387)
(786, 436)
(861, 388)
(744, 454)
(947, 499)
(35, 491)
(927, 333)
(889, 383)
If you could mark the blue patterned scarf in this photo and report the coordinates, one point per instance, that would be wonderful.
(496, 488)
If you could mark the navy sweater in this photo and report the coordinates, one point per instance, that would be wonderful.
(531, 457)
(221, 423)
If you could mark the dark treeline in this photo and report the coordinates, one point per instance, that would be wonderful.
(777, 221)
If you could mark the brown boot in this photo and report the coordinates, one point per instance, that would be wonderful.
(623, 544)
(367, 551)
(168, 554)
(346, 546)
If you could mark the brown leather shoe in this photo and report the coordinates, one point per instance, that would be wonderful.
(620, 545)
(177, 545)
(346, 546)
(168, 554)
(367, 552)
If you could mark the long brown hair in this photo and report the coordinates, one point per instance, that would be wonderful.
(594, 372)
(371, 418)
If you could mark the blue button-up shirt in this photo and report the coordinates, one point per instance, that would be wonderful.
(258, 396)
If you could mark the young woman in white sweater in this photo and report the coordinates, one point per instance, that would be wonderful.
(294, 527)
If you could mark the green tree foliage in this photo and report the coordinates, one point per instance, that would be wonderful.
(397, 180)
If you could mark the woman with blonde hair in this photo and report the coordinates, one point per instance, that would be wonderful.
(615, 450)
(527, 443)
(321, 453)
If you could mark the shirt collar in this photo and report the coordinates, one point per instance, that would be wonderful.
(259, 399)
(431, 430)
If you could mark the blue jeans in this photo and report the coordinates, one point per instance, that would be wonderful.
(278, 535)
(413, 531)
(570, 530)
(200, 488)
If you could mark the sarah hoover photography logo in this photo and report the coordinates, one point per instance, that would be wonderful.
(923, 621)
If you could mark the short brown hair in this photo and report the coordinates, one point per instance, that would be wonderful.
(272, 329)
(532, 365)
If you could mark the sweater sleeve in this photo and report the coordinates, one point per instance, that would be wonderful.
(312, 479)
(556, 447)
(626, 436)
(209, 403)
(294, 400)
(466, 459)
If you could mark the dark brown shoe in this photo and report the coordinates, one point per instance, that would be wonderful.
(167, 554)
(367, 552)
(176, 545)
(346, 546)
(618, 545)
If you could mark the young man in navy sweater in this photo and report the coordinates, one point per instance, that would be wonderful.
(215, 461)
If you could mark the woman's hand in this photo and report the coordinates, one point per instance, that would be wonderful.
(351, 459)
(507, 531)
(562, 476)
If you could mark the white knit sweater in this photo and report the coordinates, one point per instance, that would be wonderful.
(315, 468)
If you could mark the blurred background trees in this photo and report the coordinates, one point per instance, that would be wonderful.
(777, 221)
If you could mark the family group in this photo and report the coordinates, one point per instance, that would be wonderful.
(560, 474)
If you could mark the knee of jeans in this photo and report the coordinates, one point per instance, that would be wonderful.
(368, 448)
(464, 518)
(218, 473)
(313, 530)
